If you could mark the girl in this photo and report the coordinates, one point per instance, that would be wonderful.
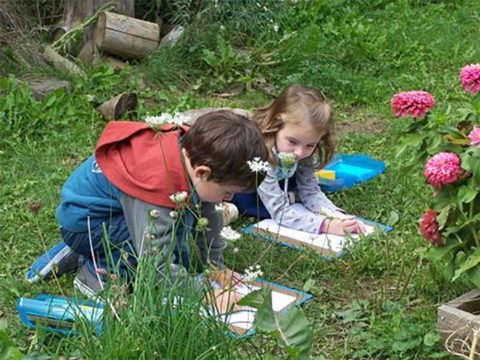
(295, 126)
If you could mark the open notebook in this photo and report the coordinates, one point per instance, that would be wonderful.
(325, 244)
(240, 322)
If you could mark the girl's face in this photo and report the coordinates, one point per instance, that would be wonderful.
(299, 139)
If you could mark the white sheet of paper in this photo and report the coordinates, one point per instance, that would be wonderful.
(335, 243)
(244, 318)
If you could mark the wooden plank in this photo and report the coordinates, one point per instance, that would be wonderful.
(458, 320)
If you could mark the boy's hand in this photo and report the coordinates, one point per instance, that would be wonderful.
(345, 224)
(226, 278)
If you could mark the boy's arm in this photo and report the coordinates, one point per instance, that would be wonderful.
(152, 230)
(209, 242)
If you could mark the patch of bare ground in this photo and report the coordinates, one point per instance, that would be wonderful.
(368, 125)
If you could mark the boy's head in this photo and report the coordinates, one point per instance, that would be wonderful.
(218, 146)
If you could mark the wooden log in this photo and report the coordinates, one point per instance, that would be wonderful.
(126, 37)
(61, 63)
(457, 322)
(76, 11)
(89, 54)
(118, 106)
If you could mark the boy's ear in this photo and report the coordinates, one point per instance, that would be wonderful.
(202, 171)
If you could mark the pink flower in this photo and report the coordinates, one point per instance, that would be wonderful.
(470, 78)
(474, 137)
(412, 103)
(429, 228)
(442, 169)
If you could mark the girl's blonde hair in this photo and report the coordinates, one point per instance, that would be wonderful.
(295, 104)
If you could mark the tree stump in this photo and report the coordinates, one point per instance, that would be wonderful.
(76, 11)
(125, 36)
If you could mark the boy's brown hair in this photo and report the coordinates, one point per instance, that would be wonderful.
(294, 104)
(225, 141)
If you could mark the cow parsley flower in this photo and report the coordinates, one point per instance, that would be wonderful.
(179, 197)
(158, 121)
(251, 274)
(229, 234)
(173, 214)
(257, 165)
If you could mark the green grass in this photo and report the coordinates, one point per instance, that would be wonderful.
(379, 300)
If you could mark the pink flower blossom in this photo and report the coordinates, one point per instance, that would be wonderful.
(474, 137)
(412, 103)
(442, 169)
(470, 78)
(429, 228)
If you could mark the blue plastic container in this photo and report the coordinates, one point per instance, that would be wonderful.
(59, 314)
(351, 170)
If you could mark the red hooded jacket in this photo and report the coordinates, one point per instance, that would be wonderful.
(144, 163)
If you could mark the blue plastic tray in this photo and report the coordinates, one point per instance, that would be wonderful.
(351, 170)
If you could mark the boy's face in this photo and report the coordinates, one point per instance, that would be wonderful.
(211, 191)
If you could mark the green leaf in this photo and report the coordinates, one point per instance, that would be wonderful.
(393, 218)
(466, 194)
(431, 338)
(472, 261)
(443, 216)
(410, 140)
(438, 253)
(290, 328)
(254, 299)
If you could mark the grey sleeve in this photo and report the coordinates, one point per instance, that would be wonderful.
(309, 191)
(209, 242)
(279, 208)
(152, 230)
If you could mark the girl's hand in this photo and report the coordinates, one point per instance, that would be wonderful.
(347, 224)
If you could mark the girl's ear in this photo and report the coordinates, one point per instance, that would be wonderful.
(202, 172)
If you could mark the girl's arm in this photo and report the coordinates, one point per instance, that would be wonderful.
(309, 191)
(277, 205)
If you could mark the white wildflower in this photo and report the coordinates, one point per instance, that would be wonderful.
(179, 197)
(219, 207)
(179, 119)
(157, 121)
(229, 234)
(257, 165)
(252, 273)
(287, 159)
(173, 214)
(235, 250)
(275, 28)
(154, 213)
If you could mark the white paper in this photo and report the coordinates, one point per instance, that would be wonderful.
(334, 243)
(244, 318)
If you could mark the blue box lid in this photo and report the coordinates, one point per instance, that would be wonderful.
(351, 170)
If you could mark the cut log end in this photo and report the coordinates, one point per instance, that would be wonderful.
(118, 106)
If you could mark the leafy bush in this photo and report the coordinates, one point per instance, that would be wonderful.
(451, 142)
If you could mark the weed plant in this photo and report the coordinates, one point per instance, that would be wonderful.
(378, 301)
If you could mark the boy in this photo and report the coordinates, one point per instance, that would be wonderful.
(142, 187)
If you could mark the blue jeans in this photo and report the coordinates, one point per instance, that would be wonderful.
(250, 203)
(116, 236)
